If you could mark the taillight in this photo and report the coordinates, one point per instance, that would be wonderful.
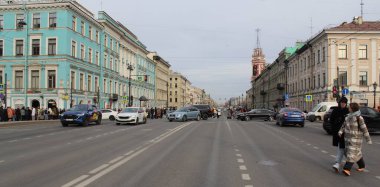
(285, 114)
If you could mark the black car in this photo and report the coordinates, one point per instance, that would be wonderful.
(82, 114)
(205, 110)
(326, 120)
(370, 115)
(257, 113)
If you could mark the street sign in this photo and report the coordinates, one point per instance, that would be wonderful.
(309, 98)
(286, 97)
(345, 91)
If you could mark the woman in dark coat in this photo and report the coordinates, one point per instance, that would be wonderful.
(337, 119)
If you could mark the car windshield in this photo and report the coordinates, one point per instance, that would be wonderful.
(315, 108)
(290, 110)
(130, 110)
(79, 108)
(182, 110)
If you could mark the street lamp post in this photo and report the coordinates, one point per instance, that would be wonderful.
(130, 68)
(71, 94)
(167, 95)
(374, 94)
(19, 24)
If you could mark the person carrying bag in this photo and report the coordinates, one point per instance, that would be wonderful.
(353, 130)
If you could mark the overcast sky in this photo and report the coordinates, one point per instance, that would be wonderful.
(211, 41)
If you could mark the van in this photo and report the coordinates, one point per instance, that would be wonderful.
(319, 110)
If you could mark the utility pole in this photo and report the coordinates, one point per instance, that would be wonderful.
(71, 94)
(130, 68)
(167, 95)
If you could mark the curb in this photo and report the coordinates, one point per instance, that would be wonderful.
(17, 123)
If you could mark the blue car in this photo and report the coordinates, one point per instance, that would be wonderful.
(184, 114)
(82, 114)
(290, 116)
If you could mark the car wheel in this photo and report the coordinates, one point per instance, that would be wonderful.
(170, 120)
(112, 118)
(311, 118)
(277, 123)
(198, 117)
(64, 124)
(145, 120)
(117, 123)
(184, 118)
(85, 122)
(137, 121)
(99, 121)
(247, 118)
(281, 123)
(204, 116)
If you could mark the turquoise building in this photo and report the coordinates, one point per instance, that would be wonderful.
(56, 53)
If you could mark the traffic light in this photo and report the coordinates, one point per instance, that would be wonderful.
(146, 78)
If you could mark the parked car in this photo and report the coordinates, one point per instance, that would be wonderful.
(258, 113)
(82, 114)
(370, 116)
(319, 111)
(290, 116)
(326, 120)
(184, 114)
(205, 110)
(131, 115)
(108, 114)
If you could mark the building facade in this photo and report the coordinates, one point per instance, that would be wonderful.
(162, 80)
(177, 89)
(57, 54)
(342, 57)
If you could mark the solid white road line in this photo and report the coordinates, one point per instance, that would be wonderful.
(245, 177)
(75, 180)
(99, 168)
(240, 160)
(243, 167)
(116, 159)
(125, 160)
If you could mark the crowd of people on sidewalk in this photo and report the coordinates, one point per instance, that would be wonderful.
(28, 113)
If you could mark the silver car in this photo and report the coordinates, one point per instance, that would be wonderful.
(184, 114)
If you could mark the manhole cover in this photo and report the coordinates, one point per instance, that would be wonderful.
(268, 163)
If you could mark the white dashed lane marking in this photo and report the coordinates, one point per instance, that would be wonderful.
(245, 177)
(248, 186)
(240, 160)
(316, 147)
(378, 177)
(323, 151)
(333, 156)
(1, 161)
(242, 167)
(236, 150)
(238, 155)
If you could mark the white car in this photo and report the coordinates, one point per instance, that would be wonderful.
(132, 115)
(108, 114)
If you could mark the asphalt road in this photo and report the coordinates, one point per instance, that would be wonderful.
(214, 152)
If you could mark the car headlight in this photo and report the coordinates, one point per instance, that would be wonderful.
(80, 115)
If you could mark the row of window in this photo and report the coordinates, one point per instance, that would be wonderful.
(362, 51)
(312, 83)
(36, 24)
(35, 79)
(35, 47)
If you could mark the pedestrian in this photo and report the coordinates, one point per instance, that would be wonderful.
(33, 113)
(23, 114)
(18, 114)
(46, 114)
(9, 113)
(336, 121)
(151, 113)
(353, 130)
